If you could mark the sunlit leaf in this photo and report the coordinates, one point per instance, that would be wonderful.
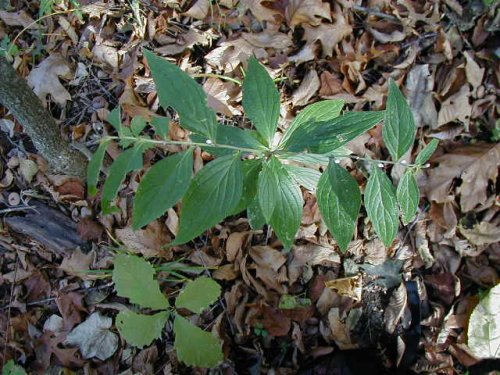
(381, 205)
(134, 279)
(137, 125)
(408, 196)
(306, 177)
(427, 152)
(199, 294)
(339, 200)
(139, 329)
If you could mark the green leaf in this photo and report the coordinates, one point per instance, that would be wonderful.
(213, 194)
(484, 326)
(321, 137)
(178, 90)
(427, 152)
(381, 205)
(261, 100)
(231, 136)
(134, 279)
(315, 160)
(288, 207)
(196, 347)
(115, 119)
(251, 169)
(94, 167)
(339, 201)
(199, 294)
(306, 177)
(255, 215)
(140, 330)
(268, 187)
(137, 125)
(127, 161)
(408, 196)
(162, 186)
(399, 125)
(323, 111)
(161, 125)
(10, 368)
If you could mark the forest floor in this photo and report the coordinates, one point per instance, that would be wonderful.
(407, 307)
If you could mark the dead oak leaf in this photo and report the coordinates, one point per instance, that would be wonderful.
(481, 234)
(20, 18)
(309, 86)
(182, 42)
(259, 11)
(44, 79)
(199, 10)
(456, 107)
(148, 242)
(475, 165)
(307, 11)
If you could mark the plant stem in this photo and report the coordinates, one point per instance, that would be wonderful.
(404, 164)
(187, 143)
(213, 75)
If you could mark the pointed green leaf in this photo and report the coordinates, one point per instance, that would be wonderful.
(268, 187)
(381, 206)
(339, 201)
(231, 136)
(196, 347)
(10, 368)
(115, 119)
(213, 194)
(178, 90)
(427, 152)
(255, 215)
(306, 177)
(134, 279)
(251, 169)
(94, 167)
(199, 294)
(399, 125)
(315, 160)
(323, 111)
(161, 125)
(140, 330)
(137, 125)
(126, 162)
(408, 196)
(321, 137)
(162, 186)
(261, 100)
(288, 207)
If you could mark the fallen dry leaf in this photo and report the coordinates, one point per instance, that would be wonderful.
(419, 86)
(348, 286)
(20, 18)
(307, 11)
(148, 242)
(475, 165)
(395, 308)
(78, 263)
(339, 330)
(182, 42)
(481, 234)
(456, 107)
(44, 79)
(309, 86)
(259, 11)
(199, 10)
(330, 84)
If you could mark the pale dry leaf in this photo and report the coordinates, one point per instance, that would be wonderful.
(339, 331)
(473, 71)
(419, 86)
(269, 38)
(230, 54)
(20, 18)
(78, 263)
(104, 54)
(394, 36)
(307, 53)
(172, 221)
(218, 96)
(329, 35)
(28, 169)
(199, 10)
(148, 242)
(44, 79)
(309, 86)
(258, 10)
(331, 84)
(395, 308)
(226, 273)
(265, 256)
(182, 42)
(347, 286)
(456, 107)
(475, 165)
(94, 338)
(481, 234)
(311, 255)
(311, 12)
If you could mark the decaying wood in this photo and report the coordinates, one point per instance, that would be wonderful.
(17, 97)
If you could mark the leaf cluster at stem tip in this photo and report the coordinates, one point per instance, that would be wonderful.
(257, 172)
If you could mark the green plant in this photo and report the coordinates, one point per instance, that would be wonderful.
(11, 368)
(254, 172)
(134, 279)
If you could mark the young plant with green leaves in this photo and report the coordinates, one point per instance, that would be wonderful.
(134, 278)
(256, 171)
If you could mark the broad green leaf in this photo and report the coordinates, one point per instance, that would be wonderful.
(213, 194)
(134, 279)
(315, 160)
(408, 196)
(137, 125)
(115, 119)
(323, 111)
(139, 329)
(261, 100)
(268, 187)
(399, 126)
(255, 215)
(10, 368)
(484, 326)
(288, 207)
(161, 125)
(94, 167)
(339, 201)
(126, 162)
(427, 152)
(250, 169)
(162, 186)
(231, 136)
(306, 177)
(178, 90)
(199, 294)
(322, 137)
(196, 347)
(381, 205)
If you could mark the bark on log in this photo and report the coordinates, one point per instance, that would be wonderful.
(17, 97)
